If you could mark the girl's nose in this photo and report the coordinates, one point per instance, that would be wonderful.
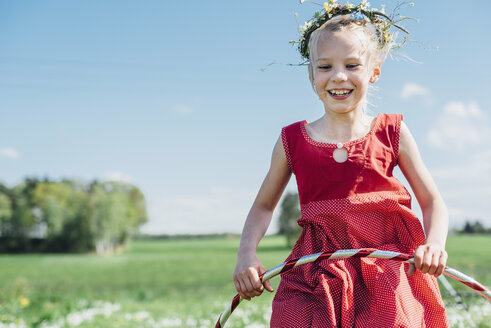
(339, 76)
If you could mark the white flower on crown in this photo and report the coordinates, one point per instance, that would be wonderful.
(364, 4)
(304, 27)
(349, 5)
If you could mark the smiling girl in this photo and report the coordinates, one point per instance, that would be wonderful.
(343, 163)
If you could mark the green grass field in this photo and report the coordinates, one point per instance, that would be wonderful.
(176, 283)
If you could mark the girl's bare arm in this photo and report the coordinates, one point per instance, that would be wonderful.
(248, 268)
(430, 257)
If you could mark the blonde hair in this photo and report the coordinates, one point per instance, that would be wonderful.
(343, 22)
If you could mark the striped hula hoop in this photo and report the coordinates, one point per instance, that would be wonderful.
(347, 253)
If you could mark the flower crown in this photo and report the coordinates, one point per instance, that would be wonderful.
(379, 20)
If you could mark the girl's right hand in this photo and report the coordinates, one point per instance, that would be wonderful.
(246, 276)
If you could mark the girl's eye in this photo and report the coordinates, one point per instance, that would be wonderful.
(324, 67)
(352, 65)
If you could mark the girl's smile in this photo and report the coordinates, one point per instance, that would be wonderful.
(340, 94)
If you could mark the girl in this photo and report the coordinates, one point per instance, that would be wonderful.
(349, 198)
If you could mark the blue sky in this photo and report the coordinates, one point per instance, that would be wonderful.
(170, 95)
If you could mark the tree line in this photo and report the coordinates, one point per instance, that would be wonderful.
(475, 227)
(69, 216)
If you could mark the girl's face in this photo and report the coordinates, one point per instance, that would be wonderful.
(341, 70)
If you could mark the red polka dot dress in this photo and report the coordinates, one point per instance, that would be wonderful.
(354, 204)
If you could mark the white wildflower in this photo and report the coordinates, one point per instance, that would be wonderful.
(104, 308)
(205, 323)
(142, 315)
(475, 314)
(364, 4)
(191, 322)
(304, 27)
(19, 324)
(170, 322)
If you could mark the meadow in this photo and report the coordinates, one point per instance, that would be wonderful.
(179, 283)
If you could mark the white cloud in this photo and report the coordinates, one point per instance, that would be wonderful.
(410, 90)
(468, 202)
(9, 152)
(118, 176)
(476, 166)
(465, 187)
(220, 209)
(460, 126)
(465, 190)
(182, 109)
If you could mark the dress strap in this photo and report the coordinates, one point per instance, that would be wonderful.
(393, 126)
(284, 140)
(290, 136)
(387, 136)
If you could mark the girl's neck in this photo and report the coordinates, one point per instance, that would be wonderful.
(334, 127)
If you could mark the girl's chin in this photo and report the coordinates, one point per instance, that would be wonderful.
(341, 109)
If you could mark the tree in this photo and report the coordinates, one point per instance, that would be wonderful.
(116, 211)
(23, 218)
(5, 212)
(474, 227)
(290, 213)
(17, 216)
(51, 199)
(58, 207)
(69, 216)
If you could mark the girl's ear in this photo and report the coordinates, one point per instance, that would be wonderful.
(376, 72)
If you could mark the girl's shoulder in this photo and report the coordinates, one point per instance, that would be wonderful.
(294, 125)
(391, 118)
(385, 119)
(292, 130)
(389, 125)
(391, 122)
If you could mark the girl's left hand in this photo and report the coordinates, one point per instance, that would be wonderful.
(429, 258)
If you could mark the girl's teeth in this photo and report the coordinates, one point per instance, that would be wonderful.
(339, 93)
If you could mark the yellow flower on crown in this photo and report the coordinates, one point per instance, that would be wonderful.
(327, 7)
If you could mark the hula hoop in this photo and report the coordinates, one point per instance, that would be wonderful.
(347, 253)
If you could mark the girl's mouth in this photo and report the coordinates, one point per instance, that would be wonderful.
(340, 94)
